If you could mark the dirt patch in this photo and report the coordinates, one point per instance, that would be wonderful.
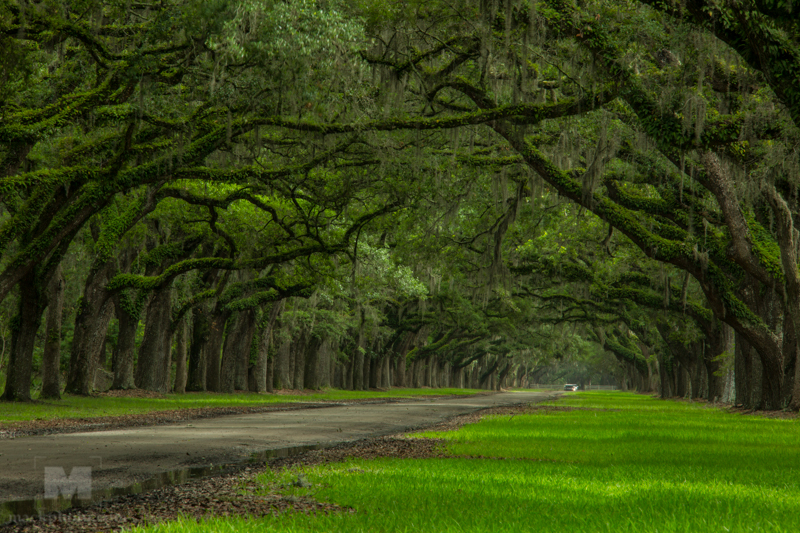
(780, 415)
(736, 409)
(131, 393)
(237, 492)
(564, 408)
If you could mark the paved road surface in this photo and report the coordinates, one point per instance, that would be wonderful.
(122, 457)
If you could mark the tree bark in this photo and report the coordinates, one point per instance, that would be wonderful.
(262, 382)
(327, 362)
(214, 349)
(741, 382)
(386, 374)
(428, 375)
(91, 326)
(122, 358)
(261, 370)
(197, 363)
(400, 361)
(243, 355)
(358, 361)
(51, 358)
(665, 374)
(23, 337)
(180, 357)
(349, 371)
(236, 352)
(271, 368)
(154, 353)
(794, 404)
(311, 377)
(298, 359)
(283, 378)
(374, 372)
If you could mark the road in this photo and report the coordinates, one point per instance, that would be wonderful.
(122, 457)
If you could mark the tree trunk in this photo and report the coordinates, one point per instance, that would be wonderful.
(214, 349)
(328, 363)
(386, 374)
(180, 357)
(201, 332)
(283, 378)
(236, 352)
(715, 347)
(752, 376)
(91, 326)
(358, 359)
(197, 364)
(23, 338)
(261, 371)
(764, 362)
(122, 357)
(349, 372)
(298, 359)
(51, 358)
(242, 357)
(665, 375)
(374, 372)
(311, 378)
(741, 385)
(794, 404)
(695, 374)
(154, 353)
(428, 375)
(400, 362)
(271, 369)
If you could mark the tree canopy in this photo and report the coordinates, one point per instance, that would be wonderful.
(316, 193)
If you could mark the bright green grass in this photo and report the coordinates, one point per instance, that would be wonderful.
(649, 466)
(85, 407)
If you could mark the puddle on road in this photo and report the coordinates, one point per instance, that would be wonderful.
(19, 510)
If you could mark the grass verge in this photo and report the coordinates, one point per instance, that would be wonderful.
(594, 462)
(96, 406)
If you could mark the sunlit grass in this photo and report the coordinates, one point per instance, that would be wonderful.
(640, 464)
(87, 407)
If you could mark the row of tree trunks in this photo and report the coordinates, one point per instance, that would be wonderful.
(211, 357)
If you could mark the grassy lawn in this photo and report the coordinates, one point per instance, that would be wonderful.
(86, 407)
(629, 463)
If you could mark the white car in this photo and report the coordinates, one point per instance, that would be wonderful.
(571, 387)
